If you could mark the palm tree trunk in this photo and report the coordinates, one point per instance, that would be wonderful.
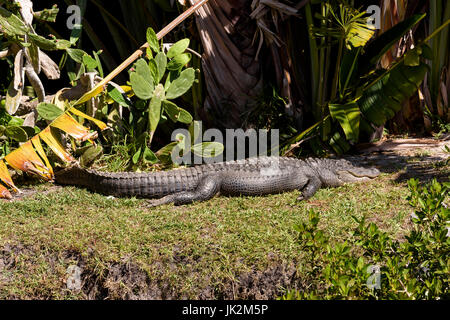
(233, 75)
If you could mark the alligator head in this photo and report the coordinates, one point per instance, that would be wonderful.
(337, 172)
(348, 172)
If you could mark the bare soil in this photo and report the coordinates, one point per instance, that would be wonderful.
(126, 280)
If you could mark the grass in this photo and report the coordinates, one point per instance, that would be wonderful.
(200, 250)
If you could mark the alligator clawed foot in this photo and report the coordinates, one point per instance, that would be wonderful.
(153, 203)
(159, 202)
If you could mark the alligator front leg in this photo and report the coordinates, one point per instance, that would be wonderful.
(208, 187)
(310, 188)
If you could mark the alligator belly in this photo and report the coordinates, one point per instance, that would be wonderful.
(242, 183)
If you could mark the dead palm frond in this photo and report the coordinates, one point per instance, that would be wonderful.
(269, 13)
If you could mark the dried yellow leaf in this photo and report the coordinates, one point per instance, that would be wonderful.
(5, 177)
(99, 123)
(36, 141)
(49, 138)
(26, 159)
(4, 193)
(69, 125)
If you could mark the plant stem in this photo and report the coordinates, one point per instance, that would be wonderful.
(314, 59)
(337, 70)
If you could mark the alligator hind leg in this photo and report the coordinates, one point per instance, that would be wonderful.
(208, 187)
(310, 189)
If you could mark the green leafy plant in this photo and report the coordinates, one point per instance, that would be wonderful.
(157, 82)
(358, 98)
(416, 267)
(87, 63)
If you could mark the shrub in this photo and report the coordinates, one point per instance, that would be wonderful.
(373, 265)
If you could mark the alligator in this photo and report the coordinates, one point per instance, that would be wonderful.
(252, 177)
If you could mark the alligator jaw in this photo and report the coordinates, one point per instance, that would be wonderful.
(358, 174)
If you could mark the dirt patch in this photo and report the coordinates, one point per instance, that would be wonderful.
(29, 191)
(7, 262)
(127, 280)
(261, 285)
(423, 159)
(123, 280)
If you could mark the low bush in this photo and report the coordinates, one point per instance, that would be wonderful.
(373, 265)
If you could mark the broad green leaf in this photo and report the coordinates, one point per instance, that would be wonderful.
(339, 144)
(149, 156)
(154, 71)
(17, 133)
(164, 154)
(195, 130)
(141, 87)
(348, 67)
(31, 131)
(348, 116)
(208, 149)
(90, 155)
(76, 34)
(11, 24)
(179, 61)
(161, 62)
(178, 48)
(81, 71)
(117, 96)
(166, 150)
(377, 48)
(152, 40)
(171, 110)
(48, 15)
(383, 99)
(16, 121)
(326, 129)
(148, 53)
(184, 116)
(412, 57)
(170, 77)
(143, 69)
(89, 62)
(427, 53)
(136, 156)
(181, 85)
(49, 44)
(99, 64)
(364, 126)
(176, 113)
(370, 104)
(155, 107)
(49, 111)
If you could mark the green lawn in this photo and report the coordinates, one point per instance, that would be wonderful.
(223, 248)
